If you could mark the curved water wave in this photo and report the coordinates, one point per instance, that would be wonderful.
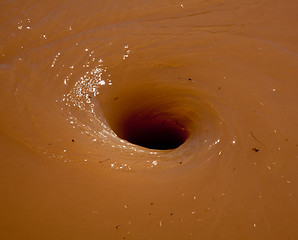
(92, 96)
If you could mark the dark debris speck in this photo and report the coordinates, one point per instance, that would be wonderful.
(256, 149)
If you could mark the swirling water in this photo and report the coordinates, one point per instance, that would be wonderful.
(72, 71)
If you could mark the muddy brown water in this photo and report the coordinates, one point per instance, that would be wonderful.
(218, 79)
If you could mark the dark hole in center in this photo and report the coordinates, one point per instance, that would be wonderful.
(154, 131)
